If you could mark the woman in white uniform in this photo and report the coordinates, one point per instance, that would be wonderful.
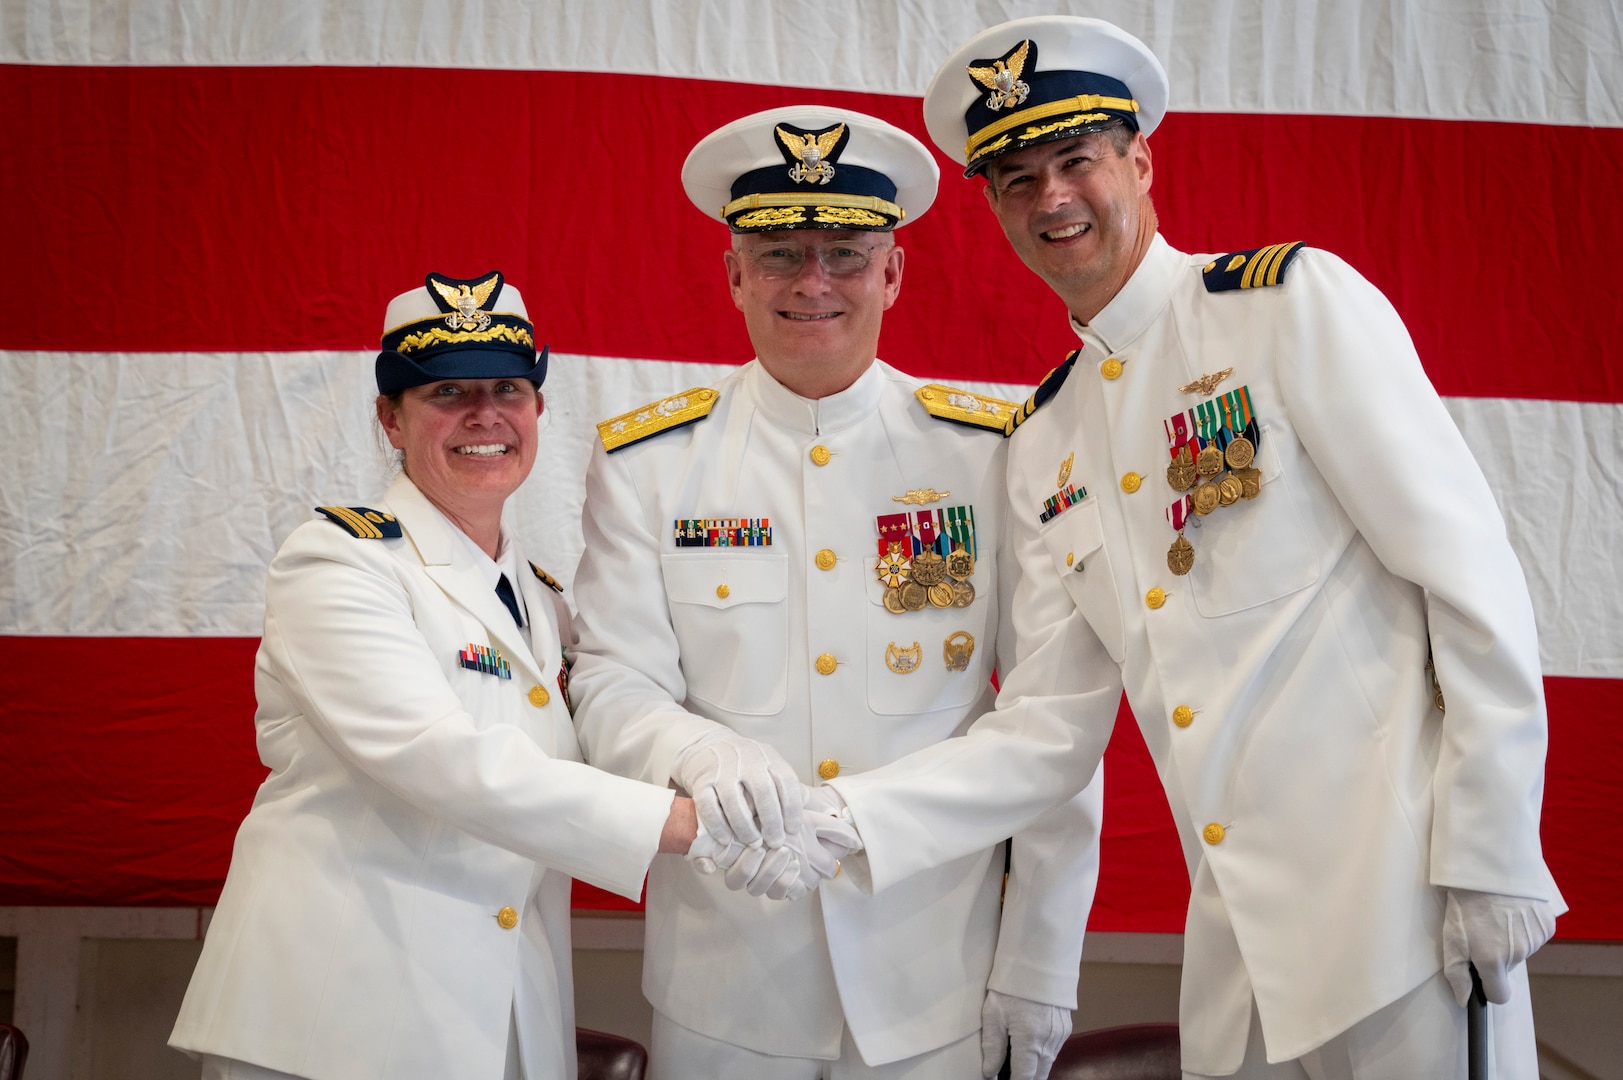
(398, 899)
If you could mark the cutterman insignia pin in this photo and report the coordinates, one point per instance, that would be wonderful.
(957, 650)
(903, 661)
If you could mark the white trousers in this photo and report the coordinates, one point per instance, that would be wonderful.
(221, 1068)
(1422, 1034)
(679, 1053)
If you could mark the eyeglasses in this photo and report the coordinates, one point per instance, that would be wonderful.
(840, 258)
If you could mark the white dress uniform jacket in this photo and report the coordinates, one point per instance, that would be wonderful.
(675, 640)
(414, 809)
(1323, 801)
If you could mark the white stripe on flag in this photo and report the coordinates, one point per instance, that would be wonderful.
(1512, 60)
(161, 483)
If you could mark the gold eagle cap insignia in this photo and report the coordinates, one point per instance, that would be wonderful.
(1002, 78)
(1206, 383)
(812, 150)
(467, 302)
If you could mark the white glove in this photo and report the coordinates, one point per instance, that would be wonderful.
(707, 854)
(763, 871)
(826, 836)
(735, 782)
(1493, 932)
(1033, 1031)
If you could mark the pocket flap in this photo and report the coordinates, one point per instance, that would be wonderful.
(724, 580)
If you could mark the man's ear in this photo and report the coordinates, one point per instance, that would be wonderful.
(735, 276)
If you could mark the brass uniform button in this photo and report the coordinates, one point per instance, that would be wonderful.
(507, 918)
(723, 591)
(825, 664)
(1213, 834)
(828, 768)
(820, 455)
(1183, 716)
(539, 696)
(1155, 598)
(825, 559)
(1130, 482)
(1070, 557)
(1111, 369)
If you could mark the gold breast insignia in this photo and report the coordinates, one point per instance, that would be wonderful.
(957, 650)
(1206, 383)
(1065, 469)
(903, 661)
(920, 496)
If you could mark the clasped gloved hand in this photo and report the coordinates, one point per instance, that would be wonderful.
(1493, 932)
(1032, 1031)
(743, 791)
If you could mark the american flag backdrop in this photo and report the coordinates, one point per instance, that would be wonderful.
(206, 204)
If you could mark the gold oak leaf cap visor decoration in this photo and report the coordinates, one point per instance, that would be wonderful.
(458, 328)
(1039, 80)
(810, 167)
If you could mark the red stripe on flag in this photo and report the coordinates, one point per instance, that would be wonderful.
(130, 762)
(233, 209)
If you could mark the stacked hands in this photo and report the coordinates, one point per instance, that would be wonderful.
(767, 832)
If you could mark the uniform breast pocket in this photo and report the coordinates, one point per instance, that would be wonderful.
(1076, 544)
(731, 617)
(1256, 550)
(931, 659)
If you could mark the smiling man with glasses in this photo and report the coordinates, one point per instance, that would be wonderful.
(789, 578)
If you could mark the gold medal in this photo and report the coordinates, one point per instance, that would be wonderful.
(1206, 498)
(960, 564)
(963, 594)
(1210, 461)
(1228, 490)
(1239, 452)
(893, 601)
(941, 595)
(929, 569)
(1181, 555)
(915, 597)
(1250, 482)
(1181, 473)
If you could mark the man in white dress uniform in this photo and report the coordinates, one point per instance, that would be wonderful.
(1243, 500)
(792, 576)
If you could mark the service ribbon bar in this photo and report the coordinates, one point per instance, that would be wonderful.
(1061, 501)
(723, 532)
(485, 659)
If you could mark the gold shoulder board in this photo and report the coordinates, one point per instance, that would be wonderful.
(667, 414)
(1252, 269)
(965, 406)
(361, 521)
(1045, 390)
(546, 579)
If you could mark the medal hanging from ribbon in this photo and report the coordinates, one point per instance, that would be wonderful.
(926, 558)
(1213, 447)
(1181, 555)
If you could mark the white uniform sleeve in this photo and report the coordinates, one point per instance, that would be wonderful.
(341, 643)
(1364, 410)
(627, 675)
